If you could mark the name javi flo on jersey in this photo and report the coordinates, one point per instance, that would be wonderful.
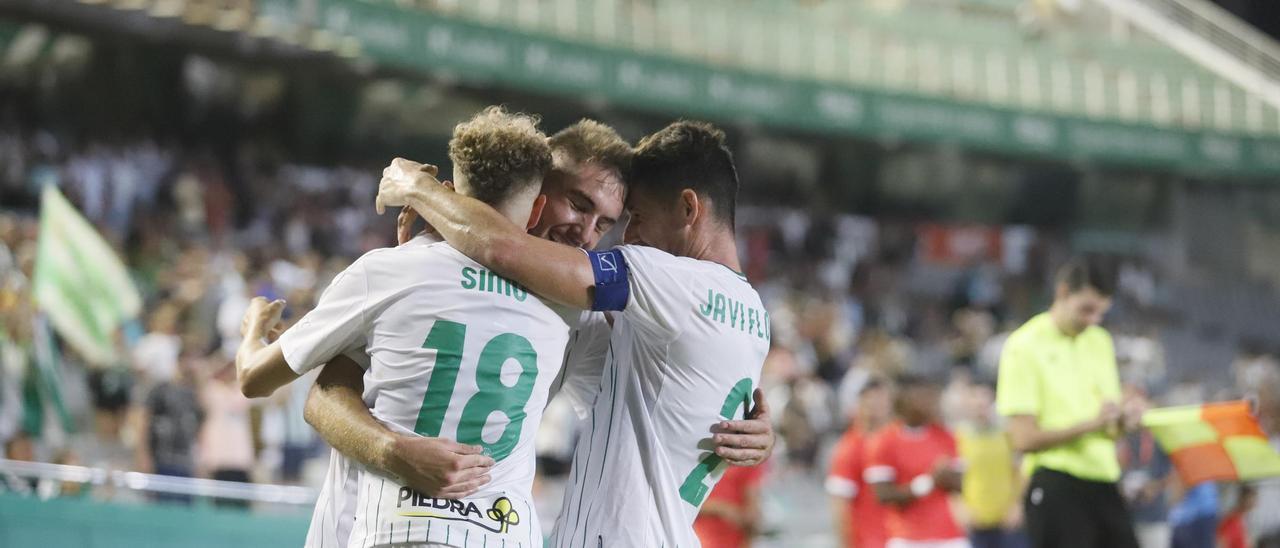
(735, 314)
(497, 518)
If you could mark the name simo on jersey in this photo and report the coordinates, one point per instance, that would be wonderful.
(480, 279)
(736, 314)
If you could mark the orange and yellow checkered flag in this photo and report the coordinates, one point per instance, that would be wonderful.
(1213, 442)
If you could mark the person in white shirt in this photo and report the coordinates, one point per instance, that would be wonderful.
(584, 194)
(454, 351)
(688, 340)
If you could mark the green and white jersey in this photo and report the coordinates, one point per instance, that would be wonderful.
(689, 339)
(454, 351)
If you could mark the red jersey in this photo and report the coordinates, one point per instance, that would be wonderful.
(845, 480)
(900, 454)
(715, 532)
(1231, 532)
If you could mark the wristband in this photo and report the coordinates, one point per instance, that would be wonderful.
(921, 485)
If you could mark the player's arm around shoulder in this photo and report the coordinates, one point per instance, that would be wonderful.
(554, 271)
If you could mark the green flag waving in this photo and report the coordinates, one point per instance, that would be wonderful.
(80, 282)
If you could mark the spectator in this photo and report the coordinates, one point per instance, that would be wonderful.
(155, 356)
(171, 420)
(992, 482)
(1231, 531)
(67, 457)
(226, 442)
(19, 447)
(103, 446)
(805, 411)
(859, 516)
(1195, 518)
(914, 470)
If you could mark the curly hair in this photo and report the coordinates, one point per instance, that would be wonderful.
(688, 154)
(499, 153)
(591, 141)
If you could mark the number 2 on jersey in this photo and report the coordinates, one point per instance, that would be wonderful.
(447, 338)
(694, 489)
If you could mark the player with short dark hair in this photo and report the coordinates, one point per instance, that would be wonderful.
(689, 333)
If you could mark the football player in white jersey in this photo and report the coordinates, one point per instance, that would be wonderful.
(455, 352)
(584, 194)
(688, 340)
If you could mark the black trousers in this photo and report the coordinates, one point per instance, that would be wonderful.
(1063, 511)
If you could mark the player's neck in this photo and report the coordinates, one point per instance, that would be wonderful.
(1058, 314)
(718, 246)
(915, 424)
(515, 211)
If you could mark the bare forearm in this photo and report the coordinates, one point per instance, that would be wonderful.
(338, 413)
(249, 358)
(551, 270)
(261, 368)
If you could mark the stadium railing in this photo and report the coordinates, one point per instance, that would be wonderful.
(154, 483)
(111, 513)
(1213, 37)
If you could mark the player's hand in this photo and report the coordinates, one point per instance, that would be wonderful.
(1132, 412)
(438, 467)
(404, 225)
(400, 180)
(947, 476)
(747, 442)
(262, 319)
(1108, 416)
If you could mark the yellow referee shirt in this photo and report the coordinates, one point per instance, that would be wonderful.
(1062, 381)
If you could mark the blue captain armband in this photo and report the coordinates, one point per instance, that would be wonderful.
(613, 289)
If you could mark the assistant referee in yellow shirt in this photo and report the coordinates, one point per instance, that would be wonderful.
(1060, 390)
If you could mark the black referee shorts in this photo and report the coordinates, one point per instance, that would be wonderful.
(1063, 511)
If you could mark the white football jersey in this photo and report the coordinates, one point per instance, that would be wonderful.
(584, 360)
(457, 352)
(335, 510)
(685, 352)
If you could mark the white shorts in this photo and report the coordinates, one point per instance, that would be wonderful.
(949, 543)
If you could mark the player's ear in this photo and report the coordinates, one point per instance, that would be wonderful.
(535, 213)
(690, 206)
(1061, 290)
(448, 184)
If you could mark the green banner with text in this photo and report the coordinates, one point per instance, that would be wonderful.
(480, 53)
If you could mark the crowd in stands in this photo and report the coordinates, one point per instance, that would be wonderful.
(855, 302)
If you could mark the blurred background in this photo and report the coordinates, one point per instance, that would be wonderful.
(913, 172)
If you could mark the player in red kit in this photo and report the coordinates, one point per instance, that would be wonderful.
(914, 471)
(859, 516)
(730, 517)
